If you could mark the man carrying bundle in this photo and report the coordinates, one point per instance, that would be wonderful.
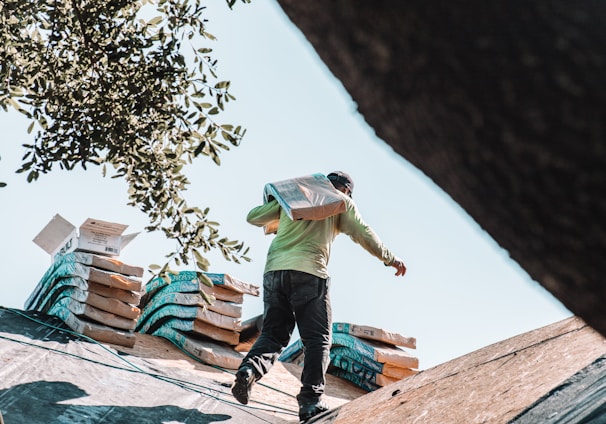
(296, 291)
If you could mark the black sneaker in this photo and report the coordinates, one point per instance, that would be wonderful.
(310, 410)
(245, 378)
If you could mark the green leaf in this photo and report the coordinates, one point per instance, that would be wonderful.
(155, 21)
(208, 35)
(204, 279)
(207, 298)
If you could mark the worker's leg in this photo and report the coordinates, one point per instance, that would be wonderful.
(311, 301)
(278, 324)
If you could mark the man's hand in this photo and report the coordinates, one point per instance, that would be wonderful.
(398, 264)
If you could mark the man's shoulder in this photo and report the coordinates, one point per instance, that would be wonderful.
(349, 202)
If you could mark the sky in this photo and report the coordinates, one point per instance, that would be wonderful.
(461, 292)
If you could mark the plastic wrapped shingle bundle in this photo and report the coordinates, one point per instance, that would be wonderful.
(94, 295)
(368, 357)
(176, 310)
(310, 197)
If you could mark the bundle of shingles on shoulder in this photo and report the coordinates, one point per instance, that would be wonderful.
(94, 295)
(366, 356)
(213, 333)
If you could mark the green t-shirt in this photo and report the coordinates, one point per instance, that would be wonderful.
(305, 245)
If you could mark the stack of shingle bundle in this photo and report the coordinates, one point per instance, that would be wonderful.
(177, 311)
(94, 295)
(367, 356)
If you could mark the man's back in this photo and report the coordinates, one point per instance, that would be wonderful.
(305, 245)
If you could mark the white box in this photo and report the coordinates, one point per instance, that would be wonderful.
(59, 236)
(311, 197)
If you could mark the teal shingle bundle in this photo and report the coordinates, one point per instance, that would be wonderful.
(364, 360)
(95, 295)
(174, 308)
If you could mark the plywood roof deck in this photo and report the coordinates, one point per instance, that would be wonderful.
(491, 385)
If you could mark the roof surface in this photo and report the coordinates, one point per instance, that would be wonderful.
(492, 385)
(50, 375)
(580, 399)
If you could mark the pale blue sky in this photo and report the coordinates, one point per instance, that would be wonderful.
(462, 292)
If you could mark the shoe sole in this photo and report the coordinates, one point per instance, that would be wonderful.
(316, 414)
(241, 390)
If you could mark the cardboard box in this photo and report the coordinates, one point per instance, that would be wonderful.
(311, 197)
(59, 236)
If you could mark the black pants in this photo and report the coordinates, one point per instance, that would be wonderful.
(294, 297)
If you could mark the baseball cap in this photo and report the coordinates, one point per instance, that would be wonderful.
(342, 178)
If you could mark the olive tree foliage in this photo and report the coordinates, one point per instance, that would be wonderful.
(130, 86)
